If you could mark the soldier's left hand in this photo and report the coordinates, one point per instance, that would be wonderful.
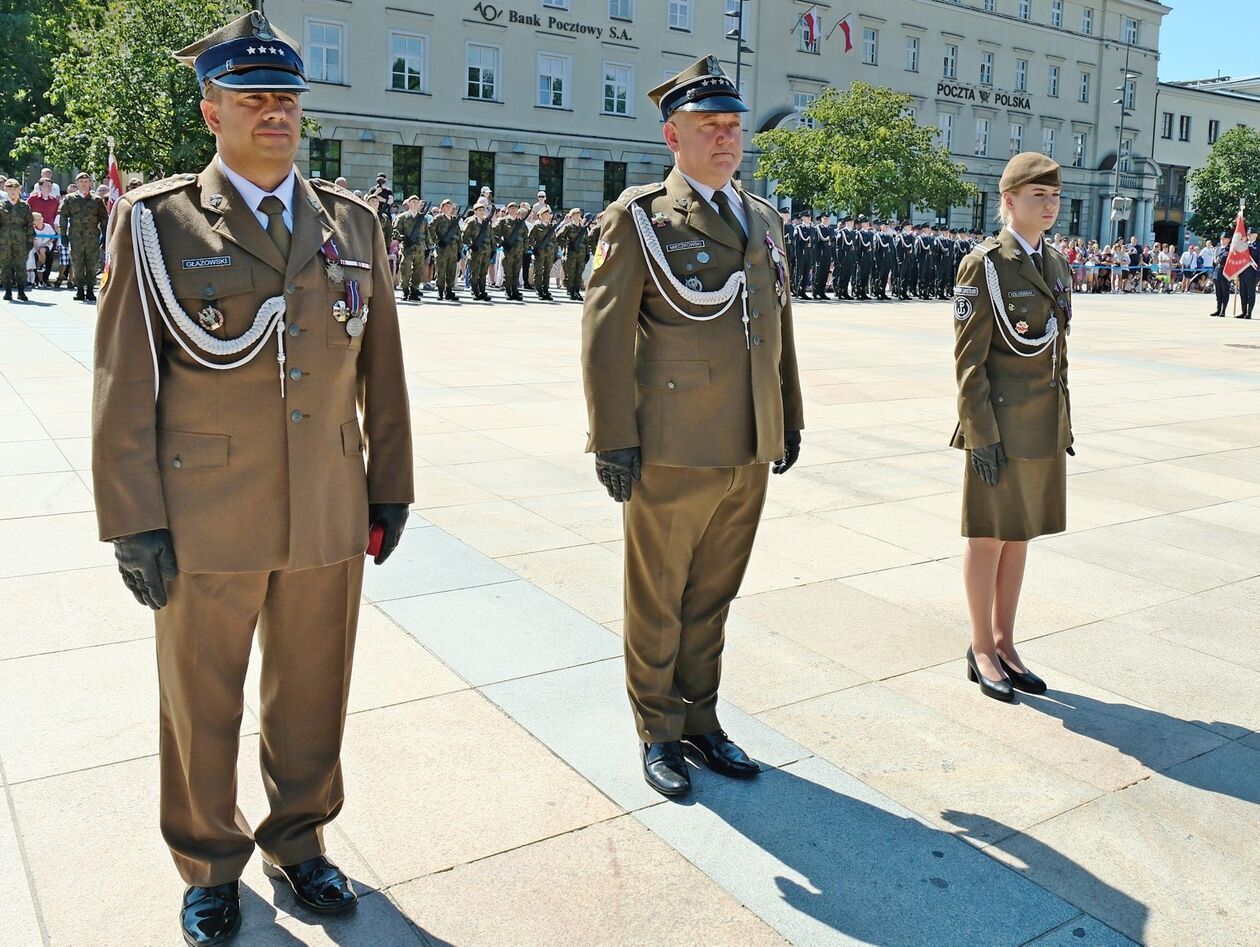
(791, 451)
(392, 518)
(618, 469)
(1071, 453)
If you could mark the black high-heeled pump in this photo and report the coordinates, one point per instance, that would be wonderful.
(998, 690)
(1026, 681)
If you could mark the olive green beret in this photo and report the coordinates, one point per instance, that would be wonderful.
(1030, 167)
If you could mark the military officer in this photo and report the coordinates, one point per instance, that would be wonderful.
(692, 391)
(1247, 278)
(446, 235)
(411, 230)
(572, 238)
(542, 241)
(511, 234)
(846, 257)
(479, 238)
(1219, 282)
(1012, 316)
(247, 326)
(806, 249)
(83, 219)
(17, 237)
(865, 258)
(825, 255)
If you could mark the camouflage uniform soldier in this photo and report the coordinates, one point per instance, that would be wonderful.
(17, 236)
(572, 236)
(542, 240)
(411, 230)
(445, 234)
(83, 220)
(512, 233)
(479, 236)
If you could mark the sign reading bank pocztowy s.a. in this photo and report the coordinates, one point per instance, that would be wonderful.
(970, 93)
(496, 14)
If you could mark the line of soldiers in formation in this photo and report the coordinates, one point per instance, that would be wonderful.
(873, 259)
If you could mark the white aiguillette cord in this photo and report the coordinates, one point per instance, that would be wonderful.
(151, 267)
(734, 287)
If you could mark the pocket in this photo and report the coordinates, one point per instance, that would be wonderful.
(199, 287)
(184, 450)
(1004, 395)
(674, 376)
(351, 439)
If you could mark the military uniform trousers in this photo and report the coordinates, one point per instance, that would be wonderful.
(13, 263)
(85, 254)
(574, 262)
(306, 624)
(1221, 285)
(544, 260)
(689, 534)
(512, 267)
(478, 266)
(411, 269)
(444, 271)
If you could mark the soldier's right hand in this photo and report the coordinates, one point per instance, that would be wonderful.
(986, 461)
(617, 469)
(147, 562)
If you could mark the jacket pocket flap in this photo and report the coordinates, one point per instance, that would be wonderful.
(1003, 395)
(214, 282)
(351, 438)
(186, 450)
(674, 376)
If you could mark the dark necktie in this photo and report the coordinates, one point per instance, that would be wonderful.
(728, 217)
(1037, 262)
(273, 207)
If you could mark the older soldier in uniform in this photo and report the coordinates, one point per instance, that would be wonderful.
(17, 237)
(83, 220)
(446, 235)
(542, 240)
(692, 391)
(238, 491)
(572, 237)
(1219, 283)
(511, 234)
(1012, 312)
(411, 230)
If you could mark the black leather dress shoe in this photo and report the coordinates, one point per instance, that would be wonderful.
(211, 915)
(664, 768)
(723, 756)
(998, 690)
(318, 883)
(1025, 681)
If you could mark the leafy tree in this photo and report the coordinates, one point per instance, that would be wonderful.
(1231, 174)
(863, 153)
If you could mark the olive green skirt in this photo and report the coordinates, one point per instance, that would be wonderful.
(1029, 499)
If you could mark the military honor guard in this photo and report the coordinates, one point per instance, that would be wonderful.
(1012, 316)
(17, 237)
(511, 233)
(572, 237)
(542, 242)
(411, 230)
(250, 434)
(1247, 278)
(83, 218)
(692, 392)
(446, 235)
(1219, 282)
(478, 231)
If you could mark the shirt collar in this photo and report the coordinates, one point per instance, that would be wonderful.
(253, 194)
(1028, 248)
(707, 192)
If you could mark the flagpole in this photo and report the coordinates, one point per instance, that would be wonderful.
(836, 24)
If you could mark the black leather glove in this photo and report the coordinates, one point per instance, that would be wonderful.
(791, 451)
(1071, 453)
(617, 469)
(392, 517)
(986, 461)
(147, 562)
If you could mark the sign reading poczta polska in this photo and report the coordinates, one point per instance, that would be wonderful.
(969, 93)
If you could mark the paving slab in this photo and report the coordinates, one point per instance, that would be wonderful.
(19, 922)
(60, 611)
(1083, 930)
(428, 561)
(587, 578)
(499, 528)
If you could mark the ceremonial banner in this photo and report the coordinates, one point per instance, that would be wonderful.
(1239, 258)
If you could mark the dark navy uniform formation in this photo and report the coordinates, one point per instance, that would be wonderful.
(874, 259)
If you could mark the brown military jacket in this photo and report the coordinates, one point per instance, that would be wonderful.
(1011, 387)
(690, 394)
(247, 480)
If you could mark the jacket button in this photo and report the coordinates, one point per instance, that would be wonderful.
(294, 329)
(1001, 399)
(756, 313)
(756, 340)
(290, 288)
(748, 266)
(1053, 383)
(295, 417)
(208, 292)
(295, 373)
(671, 386)
(752, 290)
(177, 463)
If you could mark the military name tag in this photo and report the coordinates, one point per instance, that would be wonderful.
(1021, 293)
(966, 290)
(687, 245)
(203, 262)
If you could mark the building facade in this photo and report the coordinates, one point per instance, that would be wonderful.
(445, 96)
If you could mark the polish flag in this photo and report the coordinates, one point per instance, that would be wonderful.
(812, 27)
(115, 180)
(848, 34)
(1239, 258)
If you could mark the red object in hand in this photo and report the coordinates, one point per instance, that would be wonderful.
(376, 536)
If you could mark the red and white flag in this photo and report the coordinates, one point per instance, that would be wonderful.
(1239, 257)
(847, 30)
(115, 180)
(812, 26)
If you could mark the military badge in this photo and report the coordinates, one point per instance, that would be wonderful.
(963, 308)
(1021, 327)
(210, 319)
(354, 327)
(702, 257)
(335, 273)
(601, 254)
(339, 311)
(659, 219)
(693, 282)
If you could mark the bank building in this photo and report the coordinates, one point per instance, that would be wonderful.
(445, 96)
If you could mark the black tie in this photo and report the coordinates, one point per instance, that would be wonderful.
(273, 207)
(1036, 258)
(728, 217)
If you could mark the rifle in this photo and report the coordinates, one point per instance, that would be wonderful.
(451, 236)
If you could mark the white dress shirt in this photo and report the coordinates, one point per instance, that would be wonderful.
(1028, 247)
(253, 194)
(728, 189)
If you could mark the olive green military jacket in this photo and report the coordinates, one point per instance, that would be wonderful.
(17, 226)
(1012, 372)
(542, 237)
(690, 394)
(440, 229)
(82, 217)
(478, 235)
(411, 230)
(511, 234)
(247, 480)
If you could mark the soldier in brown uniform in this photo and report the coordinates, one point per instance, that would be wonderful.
(17, 236)
(692, 391)
(248, 323)
(1012, 315)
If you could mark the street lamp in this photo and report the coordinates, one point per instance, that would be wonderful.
(737, 34)
(1123, 89)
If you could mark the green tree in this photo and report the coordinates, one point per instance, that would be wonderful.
(1231, 174)
(863, 153)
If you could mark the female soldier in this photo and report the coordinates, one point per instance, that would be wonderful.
(1012, 308)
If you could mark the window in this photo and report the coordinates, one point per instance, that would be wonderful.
(870, 47)
(483, 72)
(480, 174)
(1078, 150)
(1052, 82)
(1165, 126)
(1017, 137)
(407, 55)
(553, 80)
(621, 9)
(556, 4)
(912, 54)
(1183, 128)
(1021, 75)
(1087, 21)
(950, 68)
(551, 179)
(618, 88)
(802, 37)
(982, 136)
(1074, 221)
(800, 102)
(1130, 30)
(979, 210)
(325, 159)
(1056, 13)
(406, 165)
(1214, 130)
(990, 6)
(1047, 142)
(680, 15)
(1082, 93)
(986, 68)
(323, 55)
(1130, 93)
(1022, 11)
(1126, 149)
(614, 180)
(945, 122)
